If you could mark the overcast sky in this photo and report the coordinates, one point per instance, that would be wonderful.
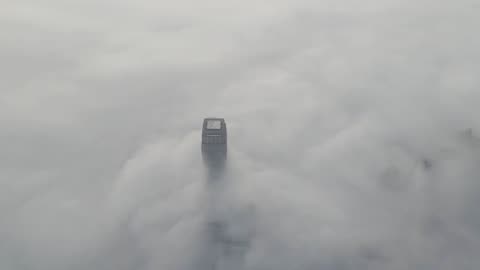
(347, 132)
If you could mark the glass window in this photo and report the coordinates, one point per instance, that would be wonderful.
(214, 124)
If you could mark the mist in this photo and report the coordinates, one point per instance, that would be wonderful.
(353, 141)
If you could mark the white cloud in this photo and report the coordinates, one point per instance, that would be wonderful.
(345, 133)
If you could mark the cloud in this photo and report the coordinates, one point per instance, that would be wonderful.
(346, 125)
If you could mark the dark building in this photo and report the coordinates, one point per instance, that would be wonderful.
(214, 142)
(229, 227)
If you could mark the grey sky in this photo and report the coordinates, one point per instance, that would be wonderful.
(346, 131)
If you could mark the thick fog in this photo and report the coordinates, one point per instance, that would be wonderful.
(353, 134)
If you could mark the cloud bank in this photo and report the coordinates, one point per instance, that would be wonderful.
(352, 132)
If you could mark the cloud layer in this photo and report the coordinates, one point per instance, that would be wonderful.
(352, 132)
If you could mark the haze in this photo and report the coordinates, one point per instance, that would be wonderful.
(353, 133)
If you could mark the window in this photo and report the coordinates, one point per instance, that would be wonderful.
(214, 124)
